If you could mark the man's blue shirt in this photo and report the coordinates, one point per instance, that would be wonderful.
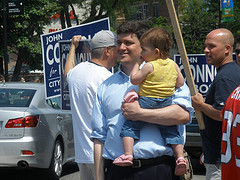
(107, 120)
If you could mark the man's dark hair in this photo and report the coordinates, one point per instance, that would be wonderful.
(136, 27)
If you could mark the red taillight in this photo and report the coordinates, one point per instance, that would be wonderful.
(27, 153)
(29, 121)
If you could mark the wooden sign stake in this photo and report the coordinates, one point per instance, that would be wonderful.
(185, 62)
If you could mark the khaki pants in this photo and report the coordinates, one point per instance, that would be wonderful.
(213, 171)
(87, 171)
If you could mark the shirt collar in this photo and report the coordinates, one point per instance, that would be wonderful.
(122, 73)
(94, 63)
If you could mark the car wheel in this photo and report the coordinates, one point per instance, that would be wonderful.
(56, 166)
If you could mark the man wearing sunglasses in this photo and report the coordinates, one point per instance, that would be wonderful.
(237, 50)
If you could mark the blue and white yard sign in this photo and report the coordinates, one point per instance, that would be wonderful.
(50, 51)
(82, 54)
(203, 74)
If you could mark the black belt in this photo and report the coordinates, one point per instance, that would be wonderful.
(138, 163)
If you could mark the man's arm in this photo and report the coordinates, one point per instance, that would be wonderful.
(199, 104)
(98, 160)
(170, 115)
(180, 112)
(70, 60)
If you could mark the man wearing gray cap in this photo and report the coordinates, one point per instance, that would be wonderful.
(83, 81)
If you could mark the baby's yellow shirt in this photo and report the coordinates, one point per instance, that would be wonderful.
(161, 82)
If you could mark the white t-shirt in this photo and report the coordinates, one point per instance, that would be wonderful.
(83, 81)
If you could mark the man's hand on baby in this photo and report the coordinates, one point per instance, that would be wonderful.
(131, 111)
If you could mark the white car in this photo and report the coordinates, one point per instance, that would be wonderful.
(34, 132)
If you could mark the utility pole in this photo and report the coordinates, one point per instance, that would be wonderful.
(6, 57)
(220, 14)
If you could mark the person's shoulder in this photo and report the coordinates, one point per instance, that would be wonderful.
(154, 62)
(228, 68)
(232, 64)
(167, 60)
(79, 65)
(107, 83)
(113, 78)
(171, 61)
(79, 69)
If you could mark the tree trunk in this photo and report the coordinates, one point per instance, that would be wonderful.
(62, 19)
(74, 14)
(18, 67)
(67, 17)
(1, 65)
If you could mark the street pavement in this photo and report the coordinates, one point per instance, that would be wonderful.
(76, 176)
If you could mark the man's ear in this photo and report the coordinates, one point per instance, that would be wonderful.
(157, 51)
(228, 48)
(107, 50)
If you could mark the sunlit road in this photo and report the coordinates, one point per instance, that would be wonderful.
(70, 172)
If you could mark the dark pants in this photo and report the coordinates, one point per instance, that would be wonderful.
(161, 169)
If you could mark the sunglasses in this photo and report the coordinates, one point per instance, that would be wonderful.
(237, 51)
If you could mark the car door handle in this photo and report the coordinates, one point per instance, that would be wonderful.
(59, 118)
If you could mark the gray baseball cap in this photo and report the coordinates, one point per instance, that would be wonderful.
(103, 38)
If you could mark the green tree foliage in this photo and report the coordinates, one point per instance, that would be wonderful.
(24, 30)
(198, 17)
(23, 33)
(196, 20)
(160, 22)
(98, 9)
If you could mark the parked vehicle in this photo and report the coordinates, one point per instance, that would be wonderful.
(25, 70)
(193, 143)
(34, 132)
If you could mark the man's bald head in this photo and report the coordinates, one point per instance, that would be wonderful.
(219, 47)
(223, 35)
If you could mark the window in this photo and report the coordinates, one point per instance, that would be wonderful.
(155, 10)
(55, 102)
(142, 12)
(145, 12)
(16, 97)
(139, 13)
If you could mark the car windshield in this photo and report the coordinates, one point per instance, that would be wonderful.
(16, 97)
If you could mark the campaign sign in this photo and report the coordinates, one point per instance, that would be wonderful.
(82, 54)
(203, 74)
(50, 51)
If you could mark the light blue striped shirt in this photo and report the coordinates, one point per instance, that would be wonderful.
(107, 120)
